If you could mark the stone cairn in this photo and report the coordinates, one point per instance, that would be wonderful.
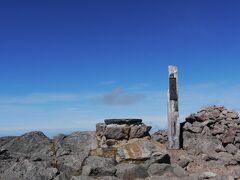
(214, 128)
(115, 130)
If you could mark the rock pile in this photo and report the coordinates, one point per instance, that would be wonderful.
(113, 130)
(214, 130)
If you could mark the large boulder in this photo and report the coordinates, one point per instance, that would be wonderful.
(33, 145)
(72, 150)
(139, 131)
(131, 171)
(99, 166)
(159, 169)
(138, 149)
(26, 170)
(117, 132)
(28, 156)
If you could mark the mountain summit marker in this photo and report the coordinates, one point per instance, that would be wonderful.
(173, 111)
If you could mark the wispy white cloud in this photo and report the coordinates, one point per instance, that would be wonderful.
(110, 82)
(43, 98)
(139, 86)
(119, 97)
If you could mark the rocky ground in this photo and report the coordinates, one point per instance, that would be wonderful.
(123, 149)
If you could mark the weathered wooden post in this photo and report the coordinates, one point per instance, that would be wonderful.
(173, 111)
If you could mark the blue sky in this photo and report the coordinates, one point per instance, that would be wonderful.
(65, 65)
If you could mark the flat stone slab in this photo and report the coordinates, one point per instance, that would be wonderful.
(123, 121)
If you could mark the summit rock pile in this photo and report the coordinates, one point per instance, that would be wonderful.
(114, 130)
(214, 131)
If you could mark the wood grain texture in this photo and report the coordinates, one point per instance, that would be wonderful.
(173, 110)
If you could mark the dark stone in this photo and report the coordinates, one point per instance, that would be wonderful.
(139, 131)
(179, 171)
(131, 171)
(160, 136)
(159, 169)
(183, 162)
(231, 149)
(117, 132)
(229, 136)
(99, 166)
(123, 121)
(163, 158)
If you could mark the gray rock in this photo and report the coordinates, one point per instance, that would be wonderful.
(237, 138)
(206, 131)
(139, 149)
(123, 121)
(117, 132)
(62, 176)
(99, 166)
(198, 143)
(183, 162)
(207, 157)
(82, 177)
(33, 144)
(195, 127)
(107, 178)
(131, 172)
(159, 169)
(179, 171)
(72, 150)
(157, 158)
(100, 129)
(224, 157)
(187, 126)
(237, 156)
(139, 131)
(218, 129)
(201, 116)
(229, 135)
(233, 115)
(231, 149)
(27, 170)
(215, 113)
(6, 139)
(160, 136)
(207, 123)
(208, 175)
(220, 148)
